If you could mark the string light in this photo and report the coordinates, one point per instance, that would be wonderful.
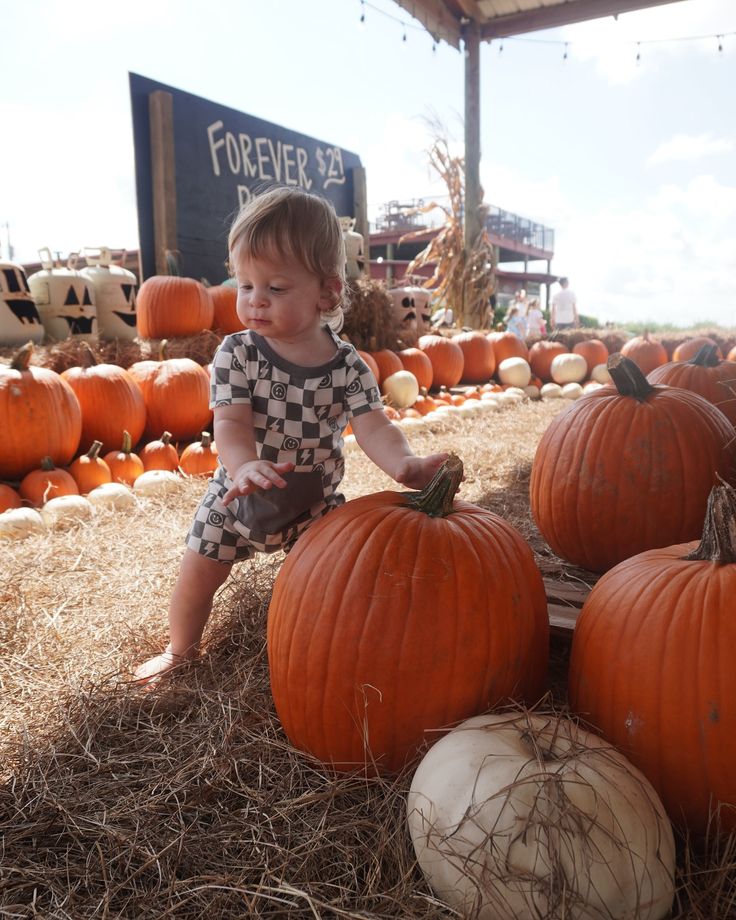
(564, 56)
(404, 36)
(720, 43)
(362, 13)
(638, 52)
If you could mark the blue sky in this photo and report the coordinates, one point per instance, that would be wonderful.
(633, 164)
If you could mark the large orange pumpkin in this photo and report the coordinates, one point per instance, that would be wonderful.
(653, 666)
(387, 362)
(507, 345)
(689, 348)
(594, 352)
(541, 356)
(39, 416)
(395, 616)
(479, 358)
(110, 399)
(628, 468)
(225, 317)
(645, 352)
(169, 306)
(416, 362)
(447, 360)
(176, 392)
(705, 374)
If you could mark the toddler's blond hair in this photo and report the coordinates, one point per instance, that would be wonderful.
(287, 221)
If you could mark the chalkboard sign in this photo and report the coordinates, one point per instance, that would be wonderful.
(214, 159)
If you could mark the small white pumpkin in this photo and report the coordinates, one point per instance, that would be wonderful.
(19, 523)
(411, 422)
(572, 391)
(66, 510)
(600, 374)
(511, 813)
(113, 495)
(591, 386)
(401, 389)
(551, 391)
(568, 368)
(515, 372)
(158, 482)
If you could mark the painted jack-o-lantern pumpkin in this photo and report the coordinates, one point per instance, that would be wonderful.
(354, 249)
(115, 289)
(65, 300)
(411, 308)
(19, 319)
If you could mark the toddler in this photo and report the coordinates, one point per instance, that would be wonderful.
(283, 391)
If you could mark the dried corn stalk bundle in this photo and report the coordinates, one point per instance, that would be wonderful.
(465, 281)
(370, 321)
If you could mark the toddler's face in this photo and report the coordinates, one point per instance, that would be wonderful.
(278, 297)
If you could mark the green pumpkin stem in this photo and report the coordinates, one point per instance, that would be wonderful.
(436, 499)
(127, 443)
(22, 358)
(94, 451)
(628, 378)
(718, 543)
(706, 357)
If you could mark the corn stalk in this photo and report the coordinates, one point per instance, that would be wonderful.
(464, 280)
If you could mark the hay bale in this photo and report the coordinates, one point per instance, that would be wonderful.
(370, 321)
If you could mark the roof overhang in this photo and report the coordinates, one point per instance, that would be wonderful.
(445, 19)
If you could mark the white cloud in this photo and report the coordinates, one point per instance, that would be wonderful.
(637, 42)
(690, 147)
(673, 259)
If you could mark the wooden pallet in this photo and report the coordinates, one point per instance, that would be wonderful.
(564, 602)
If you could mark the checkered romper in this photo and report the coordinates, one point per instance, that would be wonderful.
(299, 414)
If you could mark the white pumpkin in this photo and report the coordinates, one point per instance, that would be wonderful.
(513, 815)
(601, 374)
(572, 391)
(112, 495)
(158, 482)
(514, 372)
(66, 510)
(401, 389)
(19, 317)
(551, 391)
(19, 523)
(568, 368)
(591, 386)
(532, 392)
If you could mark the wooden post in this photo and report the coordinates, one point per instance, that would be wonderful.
(471, 43)
(360, 211)
(163, 176)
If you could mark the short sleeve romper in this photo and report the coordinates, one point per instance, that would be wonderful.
(299, 415)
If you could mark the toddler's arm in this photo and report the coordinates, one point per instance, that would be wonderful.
(387, 447)
(236, 445)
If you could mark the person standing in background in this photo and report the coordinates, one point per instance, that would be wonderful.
(516, 322)
(535, 324)
(564, 311)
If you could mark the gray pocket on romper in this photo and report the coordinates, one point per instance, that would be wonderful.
(272, 510)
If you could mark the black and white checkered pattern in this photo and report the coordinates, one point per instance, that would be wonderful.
(299, 414)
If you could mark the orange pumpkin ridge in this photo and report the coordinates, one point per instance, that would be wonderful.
(169, 306)
(446, 357)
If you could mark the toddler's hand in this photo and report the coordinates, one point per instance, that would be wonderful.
(416, 472)
(257, 474)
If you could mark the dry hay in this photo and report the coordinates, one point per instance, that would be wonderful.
(371, 323)
(62, 355)
(188, 801)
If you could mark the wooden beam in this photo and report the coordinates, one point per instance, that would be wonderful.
(549, 17)
(471, 42)
(436, 19)
(360, 212)
(163, 176)
(471, 10)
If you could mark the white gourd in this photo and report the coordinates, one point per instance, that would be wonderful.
(551, 391)
(515, 372)
(572, 391)
(66, 510)
(113, 495)
(19, 523)
(568, 368)
(401, 389)
(158, 482)
(601, 374)
(511, 813)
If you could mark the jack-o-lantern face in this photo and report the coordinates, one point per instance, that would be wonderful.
(19, 318)
(66, 305)
(411, 308)
(116, 308)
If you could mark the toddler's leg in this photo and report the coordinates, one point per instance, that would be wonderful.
(189, 608)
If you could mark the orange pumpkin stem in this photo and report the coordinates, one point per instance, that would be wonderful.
(706, 357)
(127, 445)
(436, 499)
(47, 464)
(22, 358)
(94, 450)
(206, 440)
(718, 543)
(627, 377)
(163, 350)
(89, 358)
